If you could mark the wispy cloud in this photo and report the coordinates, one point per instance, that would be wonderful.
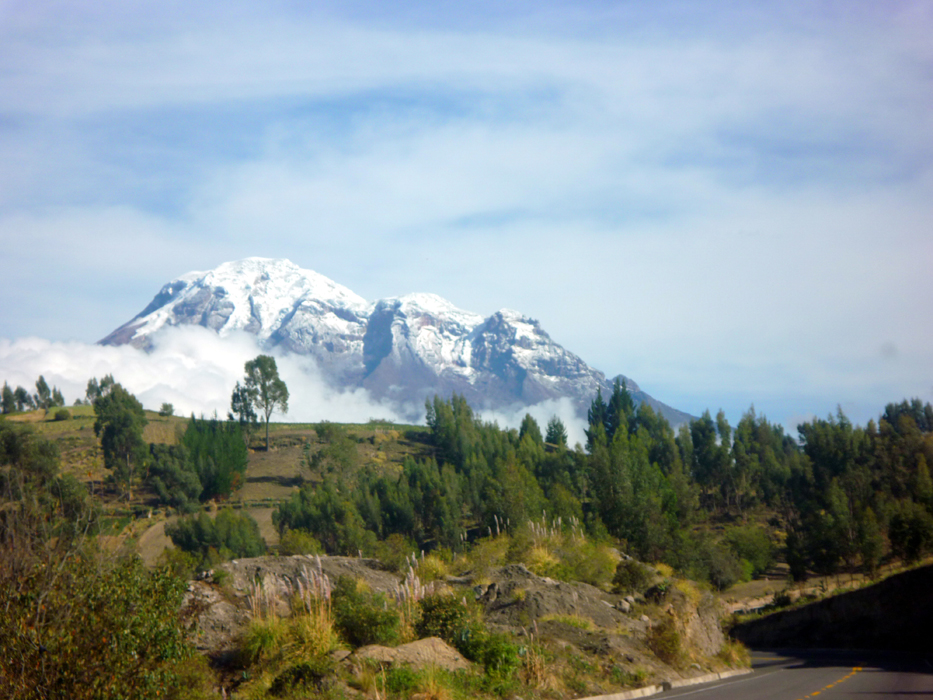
(716, 201)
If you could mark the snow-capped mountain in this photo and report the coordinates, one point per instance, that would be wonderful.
(403, 349)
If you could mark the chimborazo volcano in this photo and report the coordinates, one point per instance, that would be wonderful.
(401, 349)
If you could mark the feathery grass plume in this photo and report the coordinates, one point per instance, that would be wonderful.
(407, 595)
(267, 633)
(312, 629)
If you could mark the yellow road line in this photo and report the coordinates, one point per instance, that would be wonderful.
(834, 683)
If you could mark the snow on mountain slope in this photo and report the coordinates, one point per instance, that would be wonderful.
(402, 348)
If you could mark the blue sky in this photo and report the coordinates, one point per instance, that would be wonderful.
(730, 204)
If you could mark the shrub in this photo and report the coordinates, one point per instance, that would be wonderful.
(179, 563)
(303, 676)
(723, 567)
(664, 640)
(228, 535)
(752, 544)
(401, 680)
(363, 617)
(167, 410)
(589, 562)
(104, 630)
(444, 616)
(631, 577)
(62, 414)
(498, 654)
(911, 531)
(299, 542)
(432, 568)
(264, 638)
(734, 654)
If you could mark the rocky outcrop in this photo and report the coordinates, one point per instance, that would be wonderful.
(418, 654)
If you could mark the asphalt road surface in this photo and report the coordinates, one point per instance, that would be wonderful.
(822, 675)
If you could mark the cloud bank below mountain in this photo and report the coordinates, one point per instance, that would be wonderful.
(195, 370)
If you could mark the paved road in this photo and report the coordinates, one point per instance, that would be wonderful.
(823, 676)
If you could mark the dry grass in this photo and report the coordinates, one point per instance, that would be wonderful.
(578, 621)
(690, 590)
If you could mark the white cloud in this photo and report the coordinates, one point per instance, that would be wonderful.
(715, 202)
(190, 367)
(542, 413)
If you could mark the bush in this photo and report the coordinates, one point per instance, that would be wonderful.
(167, 410)
(496, 651)
(752, 544)
(229, 535)
(363, 617)
(62, 414)
(299, 542)
(911, 531)
(631, 577)
(305, 676)
(589, 562)
(444, 616)
(105, 630)
(664, 640)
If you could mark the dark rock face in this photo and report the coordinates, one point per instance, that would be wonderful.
(896, 614)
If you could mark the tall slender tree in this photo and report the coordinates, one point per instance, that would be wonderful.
(9, 400)
(266, 389)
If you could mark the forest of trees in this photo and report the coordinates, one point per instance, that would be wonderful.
(714, 501)
(717, 502)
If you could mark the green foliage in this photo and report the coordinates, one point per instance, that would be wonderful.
(62, 414)
(229, 535)
(22, 399)
(166, 410)
(215, 451)
(7, 399)
(752, 544)
(402, 680)
(363, 617)
(299, 542)
(183, 565)
(96, 389)
(242, 412)
(556, 432)
(530, 428)
(173, 478)
(101, 631)
(632, 577)
(265, 389)
(119, 424)
(911, 531)
(76, 623)
(328, 514)
(338, 454)
(445, 616)
(498, 654)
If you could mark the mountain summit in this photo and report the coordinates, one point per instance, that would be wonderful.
(403, 349)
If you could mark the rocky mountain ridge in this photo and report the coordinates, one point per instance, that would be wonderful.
(402, 349)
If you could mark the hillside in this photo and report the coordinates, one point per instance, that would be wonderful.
(544, 634)
(518, 534)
